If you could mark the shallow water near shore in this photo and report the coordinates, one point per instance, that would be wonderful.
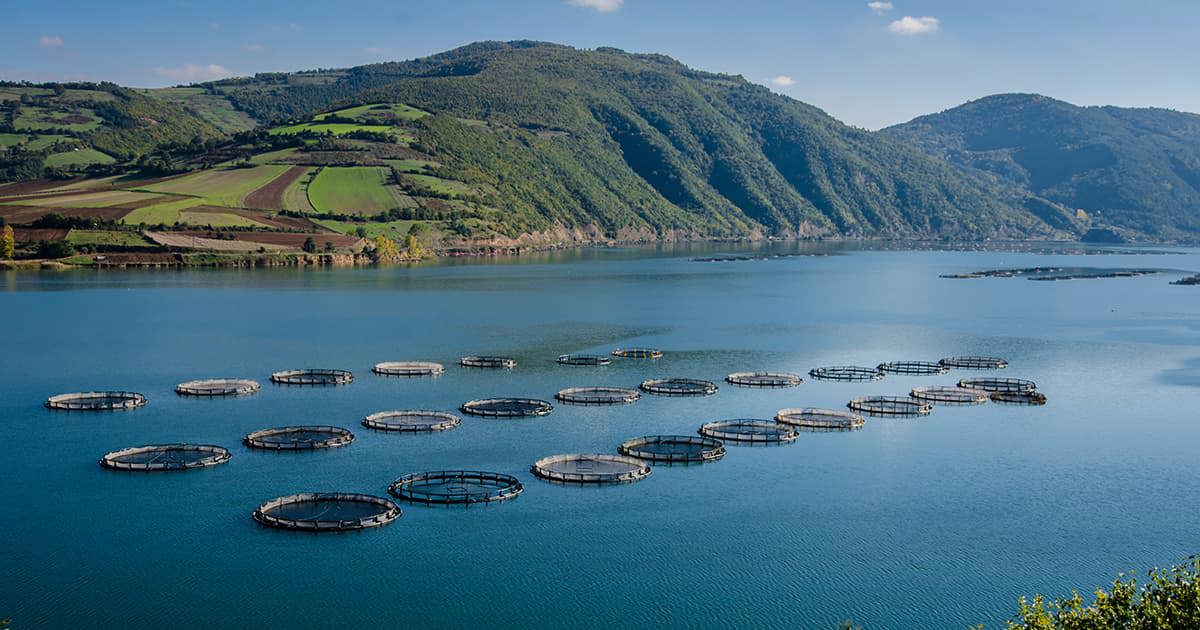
(935, 522)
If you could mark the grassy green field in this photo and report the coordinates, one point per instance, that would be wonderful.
(84, 200)
(395, 230)
(411, 166)
(166, 213)
(35, 118)
(217, 219)
(215, 110)
(378, 111)
(439, 185)
(220, 186)
(336, 129)
(273, 156)
(351, 189)
(107, 237)
(79, 157)
(295, 197)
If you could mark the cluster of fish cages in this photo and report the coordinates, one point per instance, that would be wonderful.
(411, 421)
(408, 368)
(597, 468)
(164, 457)
(679, 387)
(218, 387)
(327, 511)
(915, 368)
(815, 419)
(846, 373)
(300, 438)
(597, 395)
(313, 376)
(488, 362)
(890, 406)
(637, 353)
(764, 379)
(673, 449)
(750, 431)
(583, 359)
(949, 395)
(507, 407)
(96, 401)
(448, 487)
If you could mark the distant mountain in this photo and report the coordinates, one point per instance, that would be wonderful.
(1135, 170)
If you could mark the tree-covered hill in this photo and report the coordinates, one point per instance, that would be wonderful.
(1132, 169)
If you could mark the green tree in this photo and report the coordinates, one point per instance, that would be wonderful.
(360, 232)
(310, 245)
(386, 250)
(8, 243)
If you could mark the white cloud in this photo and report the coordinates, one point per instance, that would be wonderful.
(254, 48)
(377, 51)
(879, 8)
(50, 41)
(909, 25)
(782, 80)
(191, 72)
(604, 6)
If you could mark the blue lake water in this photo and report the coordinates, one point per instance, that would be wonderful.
(932, 522)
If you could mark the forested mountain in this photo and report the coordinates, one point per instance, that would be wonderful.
(1130, 169)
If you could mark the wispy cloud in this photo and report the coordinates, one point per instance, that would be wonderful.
(782, 80)
(377, 51)
(909, 25)
(191, 72)
(254, 48)
(50, 41)
(879, 7)
(604, 6)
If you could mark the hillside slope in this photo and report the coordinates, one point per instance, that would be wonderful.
(1132, 169)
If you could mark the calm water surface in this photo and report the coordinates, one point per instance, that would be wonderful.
(934, 522)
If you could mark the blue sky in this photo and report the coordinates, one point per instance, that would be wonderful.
(868, 63)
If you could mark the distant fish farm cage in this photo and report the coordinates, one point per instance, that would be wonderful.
(673, 449)
(918, 368)
(814, 419)
(96, 401)
(507, 407)
(949, 395)
(890, 406)
(846, 373)
(583, 359)
(749, 431)
(302, 438)
(447, 487)
(597, 395)
(313, 376)
(1019, 398)
(408, 368)
(411, 421)
(218, 387)
(679, 387)
(764, 379)
(999, 384)
(590, 469)
(637, 353)
(327, 512)
(974, 363)
(161, 457)
(487, 362)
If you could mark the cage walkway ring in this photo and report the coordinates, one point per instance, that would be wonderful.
(313, 376)
(583, 359)
(1019, 398)
(679, 387)
(949, 395)
(507, 407)
(637, 353)
(597, 395)
(596, 468)
(846, 373)
(408, 368)
(890, 406)
(764, 379)
(749, 431)
(299, 438)
(96, 401)
(327, 512)
(913, 368)
(411, 421)
(815, 419)
(447, 487)
(218, 387)
(974, 362)
(999, 384)
(673, 449)
(487, 362)
(166, 457)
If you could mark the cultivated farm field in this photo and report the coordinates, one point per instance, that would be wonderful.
(352, 190)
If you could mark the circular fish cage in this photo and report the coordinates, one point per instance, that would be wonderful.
(597, 395)
(166, 457)
(637, 353)
(312, 376)
(96, 401)
(673, 449)
(999, 384)
(327, 512)
(218, 387)
(749, 430)
(408, 368)
(597, 468)
(679, 387)
(764, 379)
(949, 395)
(814, 419)
(507, 407)
(890, 406)
(487, 362)
(448, 487)
(918, 368)
(583, 359)
(411, 421)
(975, 363)
(846, 373)
(304, 438)
(1019, 398)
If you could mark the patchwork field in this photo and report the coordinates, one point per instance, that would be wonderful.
(36, 118)
(270, 196)
(100, 199)
(352, 190)
(214, 109)
(221, 186)
(166, 213)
